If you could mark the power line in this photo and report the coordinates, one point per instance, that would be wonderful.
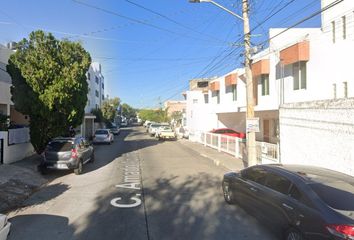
(135, 20)
(171, 20)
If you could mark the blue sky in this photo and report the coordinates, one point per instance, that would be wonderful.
(149, 50)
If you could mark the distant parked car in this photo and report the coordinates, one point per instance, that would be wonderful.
(4, 227)
(166, 132)
(154, 128)
(229, 132)
(115, 130)
(67, 153)
(299, 202)
(103, 136)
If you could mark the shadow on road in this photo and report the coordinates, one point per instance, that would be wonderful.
(190, 207)
(35, 223)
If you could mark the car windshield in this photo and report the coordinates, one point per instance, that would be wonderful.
(229, 131)
(99, 132)
(166, 129)
(338, 195)
(59, 146)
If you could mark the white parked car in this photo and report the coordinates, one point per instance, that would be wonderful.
(166, 132)
(103, 136)
(4, 227)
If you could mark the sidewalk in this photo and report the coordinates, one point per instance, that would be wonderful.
(18, 181)
(219, 158)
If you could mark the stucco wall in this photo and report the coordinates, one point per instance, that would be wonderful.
(318, 133)
(14, 153)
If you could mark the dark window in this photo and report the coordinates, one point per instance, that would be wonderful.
(97, 94)
(338, 194)
(96, 78)
(102, 97)
(59, 146)
(230, 131)
(202, 84)
(295, 193)
(88, 76)
(255, 174)
(206, 98)
(102, 85)
(265, 84)
(101, 132)
(278, 183)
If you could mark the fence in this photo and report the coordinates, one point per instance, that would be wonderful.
(266, 152)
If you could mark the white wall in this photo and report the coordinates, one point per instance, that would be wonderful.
(14, 153)
(94, 71)
(318, 133)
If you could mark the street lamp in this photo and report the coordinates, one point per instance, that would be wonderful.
(251, 135)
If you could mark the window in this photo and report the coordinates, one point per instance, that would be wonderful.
(265, 84)
(88, 76)
(102, 85)
(333, 31)
(255, 174)
(278, 183)
(195, 101)
(234, 92)
(345, 88)
(217, 95)
(202, 84)
(232, 89)
(96, 78)
(299, 75)
(344, 22)
(102, 97)
(206, 98)
(295, 193)
(97, 95)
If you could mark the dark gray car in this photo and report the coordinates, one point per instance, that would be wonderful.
(298, 202)
(67, 153)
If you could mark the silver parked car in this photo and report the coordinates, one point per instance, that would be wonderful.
(103, 136)
(4, 227)
(67, 153)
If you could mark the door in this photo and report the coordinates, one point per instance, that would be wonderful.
(266, 137)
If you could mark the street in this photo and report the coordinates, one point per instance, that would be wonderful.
(137, 188)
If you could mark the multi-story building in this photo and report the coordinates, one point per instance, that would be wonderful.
(301, 75)
(95, 97)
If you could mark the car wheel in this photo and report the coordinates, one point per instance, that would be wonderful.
(78, 170)
(228, 196)
(92, 158)
(293, 234)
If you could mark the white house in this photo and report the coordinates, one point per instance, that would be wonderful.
(300, 65)
(14, 143)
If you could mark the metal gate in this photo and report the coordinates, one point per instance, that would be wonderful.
(1, 151)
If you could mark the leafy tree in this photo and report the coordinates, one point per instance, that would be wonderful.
(128, 111)
(98, 114)
(158, 115)
(177, 116)
(49, 85)
(109, 109)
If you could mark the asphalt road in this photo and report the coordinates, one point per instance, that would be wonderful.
(137, 188)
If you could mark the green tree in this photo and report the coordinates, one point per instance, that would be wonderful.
(158, 115)
(49, 85)
(128, 111)
(109, 110)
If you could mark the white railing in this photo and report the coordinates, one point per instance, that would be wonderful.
(223, 143)
(266, 152)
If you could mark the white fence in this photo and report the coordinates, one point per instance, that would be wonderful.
(266, 152)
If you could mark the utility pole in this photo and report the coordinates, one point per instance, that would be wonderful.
(251, 136)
